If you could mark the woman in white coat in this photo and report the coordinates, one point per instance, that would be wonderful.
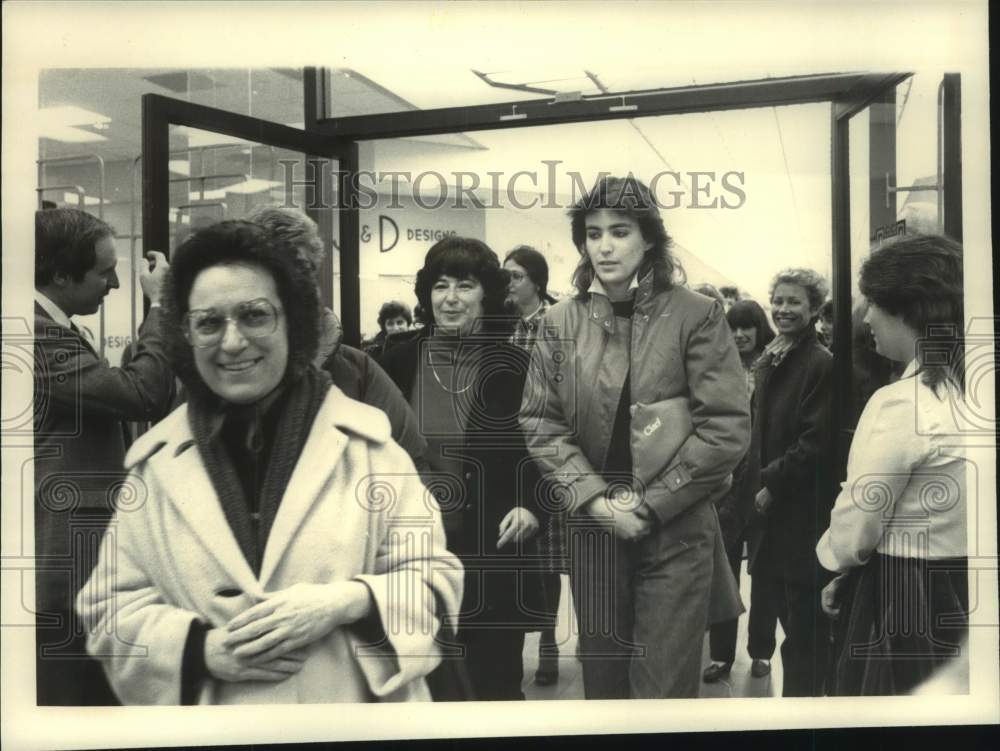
(272, 543)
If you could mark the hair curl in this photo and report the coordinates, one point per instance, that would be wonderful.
(811, 281)
(465, 258)
(920, 278)
(242, 243)
(630, 197)
(294, 227)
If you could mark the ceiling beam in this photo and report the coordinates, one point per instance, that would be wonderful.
(608, 106)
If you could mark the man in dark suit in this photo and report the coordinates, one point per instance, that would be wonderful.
(81, 408)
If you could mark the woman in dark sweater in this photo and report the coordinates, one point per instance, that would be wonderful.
(464, 381)
(787, 481)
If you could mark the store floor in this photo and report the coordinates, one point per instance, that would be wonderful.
(570, 684)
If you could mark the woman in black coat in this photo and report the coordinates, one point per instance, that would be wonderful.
(464, 380)
(788, 483)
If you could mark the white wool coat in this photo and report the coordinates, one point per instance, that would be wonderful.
(354, 509)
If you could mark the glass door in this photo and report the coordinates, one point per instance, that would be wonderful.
(900, 157)
(202, 165)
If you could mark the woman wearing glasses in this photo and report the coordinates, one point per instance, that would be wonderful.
(260, 542)
(464, 381)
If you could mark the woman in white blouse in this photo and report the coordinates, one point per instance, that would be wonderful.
(897, 532)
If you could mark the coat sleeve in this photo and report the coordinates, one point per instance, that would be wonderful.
(720, 417)
(884, 454)
(74, 377)
(137, 637)
(796, 467)
(416, 583)
(549, 437)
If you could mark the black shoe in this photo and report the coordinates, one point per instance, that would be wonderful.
(546, 677)
(548, 670)
(716, 672)
(760, 668)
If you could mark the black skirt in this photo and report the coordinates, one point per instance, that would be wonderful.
(902, 620)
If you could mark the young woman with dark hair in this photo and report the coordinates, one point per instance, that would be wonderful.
(636, 409)
(898, 528)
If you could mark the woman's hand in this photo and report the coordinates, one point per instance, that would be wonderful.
(519, 524)
(630, 517)
(762, 501)
(830, 596)
(294, 618)
(224, 665)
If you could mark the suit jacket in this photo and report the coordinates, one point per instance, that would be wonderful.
(353, 509)
(81, 405)
(790, 454)
(503, 587)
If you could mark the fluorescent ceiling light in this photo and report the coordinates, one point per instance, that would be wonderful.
(70, 115)
(66, 134)
(208, 195)
(180, 167)
(253, 185)
(75, 198)
(198, 137)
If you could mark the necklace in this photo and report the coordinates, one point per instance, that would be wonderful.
(430, 361)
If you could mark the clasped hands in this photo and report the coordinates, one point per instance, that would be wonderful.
(267, 642)
(625, 509)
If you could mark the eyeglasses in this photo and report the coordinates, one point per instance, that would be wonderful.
(254, 319)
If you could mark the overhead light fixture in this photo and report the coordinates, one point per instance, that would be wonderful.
(208, 195)
(197, 138)
(66, 134)
(71, 115)
(253, 185)
(66, 122)
(514, 115)
(75, 199)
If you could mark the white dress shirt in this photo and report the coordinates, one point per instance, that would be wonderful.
(905, 492)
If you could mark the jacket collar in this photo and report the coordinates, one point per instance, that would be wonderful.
(170, 450)
(599, 310)
(52, 310)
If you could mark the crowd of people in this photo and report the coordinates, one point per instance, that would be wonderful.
(306, 522)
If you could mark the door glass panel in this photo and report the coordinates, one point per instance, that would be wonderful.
(215, 177)
(896, 189)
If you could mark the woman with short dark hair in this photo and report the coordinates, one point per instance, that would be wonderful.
(636, 409)
(464, 380)
(898, 528)
(264, 553)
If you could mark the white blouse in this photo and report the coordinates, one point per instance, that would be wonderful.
(905, 492)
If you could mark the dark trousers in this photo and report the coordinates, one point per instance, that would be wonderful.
(804, 652)
(763, 618)
(494, 662)
(642, 607)
(722, 635)
(552, 588)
